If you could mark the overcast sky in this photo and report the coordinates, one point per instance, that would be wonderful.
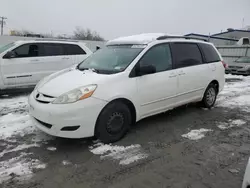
(113, 18)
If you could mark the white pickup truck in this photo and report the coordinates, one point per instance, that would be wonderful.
(24, 63)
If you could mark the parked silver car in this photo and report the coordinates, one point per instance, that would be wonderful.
(240, 67)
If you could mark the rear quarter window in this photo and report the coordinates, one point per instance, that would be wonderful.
(53, 49)
(186, 54)
(73, 49)
(209, 53)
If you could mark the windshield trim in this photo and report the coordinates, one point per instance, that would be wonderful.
(7, 47)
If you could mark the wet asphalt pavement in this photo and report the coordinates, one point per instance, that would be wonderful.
(217, 160)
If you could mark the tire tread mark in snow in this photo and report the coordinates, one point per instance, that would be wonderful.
(127, 170)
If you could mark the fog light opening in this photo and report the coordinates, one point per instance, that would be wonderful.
(70, 128)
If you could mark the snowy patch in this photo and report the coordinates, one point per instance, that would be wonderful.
(242, 102)
(230, 124)
(235, 94)
(65, 162)
(18, 148)
(19, 168)
(13, 103)
(196, 134)
(125, 155)
(15, 124)
(51, 148)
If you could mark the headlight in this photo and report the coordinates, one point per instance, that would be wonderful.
(76, 95)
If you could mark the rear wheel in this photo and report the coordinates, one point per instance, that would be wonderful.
(113, 122)
(210, 96)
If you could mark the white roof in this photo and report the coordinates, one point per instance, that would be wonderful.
(144, 38)
(49, 41)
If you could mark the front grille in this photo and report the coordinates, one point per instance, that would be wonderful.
(45, 102)
(42, 98)
(48, 96)
(44, 124)
(235, 67)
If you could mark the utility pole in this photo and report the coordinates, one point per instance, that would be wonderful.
(2, 23)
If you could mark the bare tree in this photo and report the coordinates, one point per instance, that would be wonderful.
(86, 34)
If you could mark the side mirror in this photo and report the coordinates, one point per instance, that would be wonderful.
(145, 69)
(9, 55)
(98, 48)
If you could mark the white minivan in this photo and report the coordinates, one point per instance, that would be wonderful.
(24, 63)
(130, 79)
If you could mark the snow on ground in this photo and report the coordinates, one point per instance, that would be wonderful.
(231, 124)
(18, 148)
(236, 93)
(15, 104)
(125, 155)
(19, 167)
(15, 122)
(196, 134)
(66, 162)
(51, 148)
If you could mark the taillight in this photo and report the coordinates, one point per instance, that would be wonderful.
(224, 64)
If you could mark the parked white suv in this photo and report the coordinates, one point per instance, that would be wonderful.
(24, 63)
(130, 79)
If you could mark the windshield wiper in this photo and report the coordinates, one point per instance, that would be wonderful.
(90, 69)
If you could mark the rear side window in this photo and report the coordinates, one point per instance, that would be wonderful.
(186, 54)
(210, 53)
(52, 49)
(28, 50)
(72, 49)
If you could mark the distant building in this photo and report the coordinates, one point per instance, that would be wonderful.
(229, 37)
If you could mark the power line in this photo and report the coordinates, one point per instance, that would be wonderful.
(2, 23)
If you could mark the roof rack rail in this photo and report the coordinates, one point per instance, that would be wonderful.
(48, 39)
(180, 37)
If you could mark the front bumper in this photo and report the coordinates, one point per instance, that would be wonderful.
(237, 72)
(52, 118)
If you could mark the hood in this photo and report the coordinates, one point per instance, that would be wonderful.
(67, 81)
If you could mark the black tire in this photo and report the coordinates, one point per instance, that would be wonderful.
(113, 122)
(206, 102)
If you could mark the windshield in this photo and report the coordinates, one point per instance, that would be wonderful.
(6, 47)
(111, 59)
(243, 60)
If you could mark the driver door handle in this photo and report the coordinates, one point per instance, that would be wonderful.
(181, 73)
(34, 60)
(172, 75)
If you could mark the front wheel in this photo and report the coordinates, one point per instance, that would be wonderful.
(113, 122)
(210, 96)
